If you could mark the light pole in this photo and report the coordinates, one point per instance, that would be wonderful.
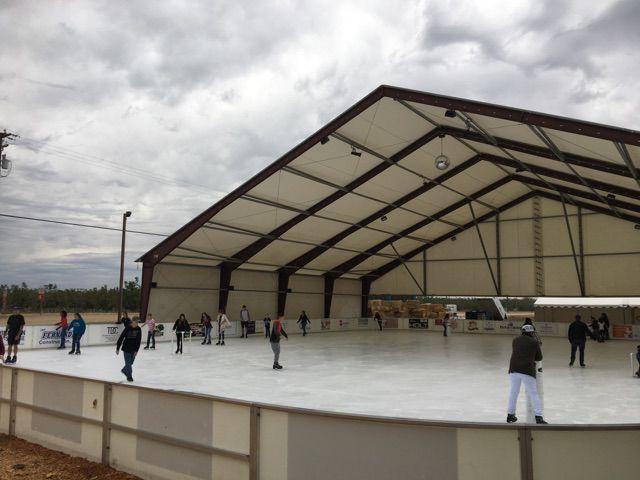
(125, 215)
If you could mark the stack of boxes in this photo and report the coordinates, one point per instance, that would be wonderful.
(407, 309)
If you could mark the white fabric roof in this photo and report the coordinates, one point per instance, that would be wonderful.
(588, 302)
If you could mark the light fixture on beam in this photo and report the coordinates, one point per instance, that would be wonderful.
(450, 113)
(383, 218)
(355, 152)
(442, 161)
(324, 140)
(454, 238)
(611, 196)
(637, 226)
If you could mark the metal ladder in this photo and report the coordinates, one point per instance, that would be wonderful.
(538, 262)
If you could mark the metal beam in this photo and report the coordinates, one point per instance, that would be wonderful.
(283, 288)
(573, 247)
(145, 289)
(382, 270)
(581, 247)
(364, 301)
(225, 283)
(565, 177)
(349, 264)
(309, 256)
(626, 157)
(413, 277)
(498, 255)
(484, 249)
(588, 206)
(249, 251)
(329, 282)
(542, 135)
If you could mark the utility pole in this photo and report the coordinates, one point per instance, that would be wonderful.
(5, 163)
(125, 215)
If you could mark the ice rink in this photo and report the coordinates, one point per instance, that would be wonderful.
(412, 374)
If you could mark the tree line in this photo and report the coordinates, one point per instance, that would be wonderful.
(102, 299)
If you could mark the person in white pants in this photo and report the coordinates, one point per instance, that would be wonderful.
(522, 369)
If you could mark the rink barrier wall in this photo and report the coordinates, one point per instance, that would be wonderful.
(158, 435)
(46, 336)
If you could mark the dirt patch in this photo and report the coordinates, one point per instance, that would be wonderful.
(23, 460)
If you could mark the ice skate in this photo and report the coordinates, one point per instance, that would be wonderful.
(511, 418)
(540, 420)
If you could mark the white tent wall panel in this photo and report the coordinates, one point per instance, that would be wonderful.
(256, 290)
(604, 234)
(347, 286)
(522, 210)
(398, 281)
(585, 146)
(518, 277)
(314, 230)
(613, 275)
(290, 189)
(516, 238)
(167, 304)
(186, 276)
(217, 242)
(306, 294)
(390, 184)
(555, 236)
(463, 277)
(345, 306)
(560, 278)
(190, 259)
(422, 160)
(351, 208)
(467, 244)
(253, 216)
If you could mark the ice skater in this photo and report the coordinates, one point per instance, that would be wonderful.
(205, 320)
(605, 318)
(223, 323)
(577, 336)
(445, 325)
(15, 326)
(267, 325)
(378, 318)
(528, 321)
(274, 339)
(245, 318)
(129, 343)
(78, 327)
(181, 327)
(151, 332)
(303, 321)
(637, 359)
(63, 326)
(522, 369)
(601, 330)
(125, 320)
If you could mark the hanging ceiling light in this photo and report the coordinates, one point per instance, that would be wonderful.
(355, 152)
(442, 161)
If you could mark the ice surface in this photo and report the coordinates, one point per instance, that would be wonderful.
(413, 374)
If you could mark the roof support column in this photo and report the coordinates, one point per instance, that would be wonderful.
(283, 288)
(329, 281)
(581, 249)
(498, 256)
(225, 283)
(484, 249)
(424, 272)
(573, 247)
(366, 289)
(145, 289)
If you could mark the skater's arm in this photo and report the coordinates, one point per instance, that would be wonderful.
(175, 325)
(538, 354)
(121, 339)
(284, 333)
(138, 341)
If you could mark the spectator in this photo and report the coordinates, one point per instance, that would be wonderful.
(605, 318)
(445, 325)
(63, 326)
(274, 339)
(15, 326)
(245, 318)
(378, 318)
(267, 325)
(78, 327)
(205, 320)
(593, 328)
(601, 330)
(577, 336)
(522, 369)
(223, 324)
(129, 342)
(181, 327)
(151, 332)
(303, 320)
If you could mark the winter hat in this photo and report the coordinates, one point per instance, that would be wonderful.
(528, 328)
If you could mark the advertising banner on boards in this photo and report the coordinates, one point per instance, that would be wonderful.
(325, 324)
(473, 326)
(419, 323)
(44, 337)
(363, 323)
(25, 337)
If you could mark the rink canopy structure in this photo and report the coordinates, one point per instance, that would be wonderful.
(412, 193)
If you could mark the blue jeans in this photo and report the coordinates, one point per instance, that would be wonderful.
(129, 358)
(207, 334)
(75, 342)
(151, 339)
(63, 336)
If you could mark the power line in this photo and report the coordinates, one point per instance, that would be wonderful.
(85, 225)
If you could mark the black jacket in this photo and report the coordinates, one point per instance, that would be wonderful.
(179, 326)
(129, 340)
(526, 352)
(578, 331)
(276, 331)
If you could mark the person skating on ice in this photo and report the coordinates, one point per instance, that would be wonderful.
(223, 323)
(577, 336)
(267, 325)
(528, 321)
(15, 325)
(151, 332)
(63, 326)
(245, 318)
(129, 343)
(274, 339)
(78, 327)
(378, 318)
(303, 320)
(445, 325)
(205, 320)
(181, 327)
(522, 369)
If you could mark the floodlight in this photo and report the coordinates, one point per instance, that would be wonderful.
(324, 140)
(355, 152)
(450, 113)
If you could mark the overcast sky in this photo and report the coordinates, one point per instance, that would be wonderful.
(202, 95)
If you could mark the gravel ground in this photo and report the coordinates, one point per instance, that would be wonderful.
(23, 460)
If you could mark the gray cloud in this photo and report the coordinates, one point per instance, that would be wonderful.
(163, 108)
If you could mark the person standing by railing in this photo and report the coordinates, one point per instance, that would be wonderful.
(129, 343)
(78, 327)
(577, 335)
(63, 326)
(267, 325)
(245, 318)
(151, 331)
(378, 318)
(15, 325)
(181, 327)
